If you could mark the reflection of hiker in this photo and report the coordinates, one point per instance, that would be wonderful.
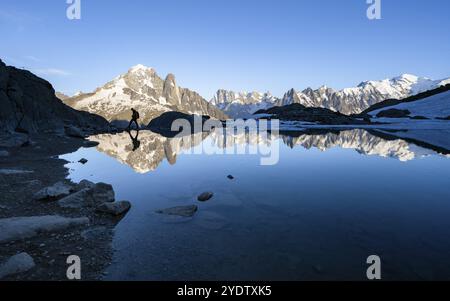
(134, 118)
(135, 140)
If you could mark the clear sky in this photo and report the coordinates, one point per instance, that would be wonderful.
(233, 44)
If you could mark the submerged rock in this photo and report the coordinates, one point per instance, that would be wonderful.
(183, 211)
(230, 177)
(116, 208)
(53, 192)
(19, 228)
(206, 196)
(4, 153)
(211, 220)
(17, 264)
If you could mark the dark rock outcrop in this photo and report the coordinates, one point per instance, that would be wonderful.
(300, 112)
(29, 104)
(163, 124)
(394, 113)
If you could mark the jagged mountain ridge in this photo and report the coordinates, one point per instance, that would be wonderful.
(355, 100)
(348, 101)
(242, 104)
(141, 88)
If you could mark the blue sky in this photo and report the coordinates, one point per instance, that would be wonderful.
(233, 44)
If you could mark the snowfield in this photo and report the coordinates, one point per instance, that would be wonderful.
(431, 107)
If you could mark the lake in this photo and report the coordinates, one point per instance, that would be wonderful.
(331, 200)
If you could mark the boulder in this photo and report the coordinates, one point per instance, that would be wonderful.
(4, 153)
(78, 199)
(19, 228)
(116, 208)
(89, 196)
(17, 264)
(53, 192)
(183, 211)
(206, 196)
(85, 184)
(102, 193)
(230, 177)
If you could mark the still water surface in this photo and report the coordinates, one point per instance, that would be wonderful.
(332, 200)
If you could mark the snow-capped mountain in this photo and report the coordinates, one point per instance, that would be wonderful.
(356, 100)
(242, 104)
(141, 88)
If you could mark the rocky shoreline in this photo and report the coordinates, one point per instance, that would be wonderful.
(41, 223)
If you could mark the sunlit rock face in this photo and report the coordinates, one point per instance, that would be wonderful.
(142, 88)
(148, 150)
(366, 94)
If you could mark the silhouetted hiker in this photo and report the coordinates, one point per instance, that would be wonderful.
(135, 140)
(134, 118)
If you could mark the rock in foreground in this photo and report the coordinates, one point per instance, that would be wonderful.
(89, 196)
(53, 192)
(17, 264)
(116, 208)
(19, 228)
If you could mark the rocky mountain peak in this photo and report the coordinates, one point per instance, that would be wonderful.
(142, 89)
(140, 68)
(366, 94)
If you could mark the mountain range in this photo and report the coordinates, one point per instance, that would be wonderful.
(347, 101)
(154, 148)
(141, 88)
(243, 104)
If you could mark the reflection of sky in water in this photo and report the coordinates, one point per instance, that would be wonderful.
(314, 215)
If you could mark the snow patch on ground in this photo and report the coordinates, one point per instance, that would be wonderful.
(430, 107)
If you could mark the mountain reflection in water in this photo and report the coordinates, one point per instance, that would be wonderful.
(146, 150)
